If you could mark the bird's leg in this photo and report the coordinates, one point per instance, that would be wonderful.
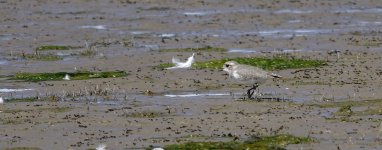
(254, 87)
(249, 93)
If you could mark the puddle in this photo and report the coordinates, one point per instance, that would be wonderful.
(296, 32)
(14, 90)
(232, 96)
(149, 47)
(3, 62)
(238, 50)
(5, 37)
(98, 27)
(108, 102)
(63, 54)
(359, 10)
(367, 23)
(292, 11)
(280, 11)
(328, 113)
(286, 33)
(139, 32)
(197, 95)
(245, 10)
(294, 21)
(195, 13)
(288, 50)
(210, 12)
(168, 35)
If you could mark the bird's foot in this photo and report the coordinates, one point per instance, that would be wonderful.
(255, 96)
(245, 97)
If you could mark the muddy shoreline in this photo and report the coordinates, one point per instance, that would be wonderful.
(336, 104)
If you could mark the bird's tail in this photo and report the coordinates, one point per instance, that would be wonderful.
(275, 75)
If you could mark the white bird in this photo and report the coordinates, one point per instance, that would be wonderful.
(179, 64)
(158, 148)
(67, 77)
(248, 73)
(101, 147)
(1, 100)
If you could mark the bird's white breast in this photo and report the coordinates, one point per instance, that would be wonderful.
(236, 75)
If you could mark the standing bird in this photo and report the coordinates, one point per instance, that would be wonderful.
(248, 73)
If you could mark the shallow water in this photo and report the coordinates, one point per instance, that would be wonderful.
(14, 90)
(3, 62)
(98, 27)
(239, 50)
(197, 95)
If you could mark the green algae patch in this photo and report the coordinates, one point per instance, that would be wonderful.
(58, 76)
(257, 143)
(55, 47)
(163, 66)
(280, 63)
(264, 63)
(212, 64)
(205, 49)
(345, 110)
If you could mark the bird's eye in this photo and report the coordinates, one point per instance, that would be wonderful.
(226, 65)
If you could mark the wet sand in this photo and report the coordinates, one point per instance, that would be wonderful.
(155, 107)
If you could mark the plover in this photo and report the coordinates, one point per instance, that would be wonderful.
(248, 73)
(179, 64)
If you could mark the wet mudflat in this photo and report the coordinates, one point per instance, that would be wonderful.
(336, 104)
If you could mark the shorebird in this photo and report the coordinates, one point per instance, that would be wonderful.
(67, 77)
(179, 64)
(1, 100)
(101, 147)
(248, 73)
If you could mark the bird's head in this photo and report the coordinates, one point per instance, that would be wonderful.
(229, 66)
(191, 59)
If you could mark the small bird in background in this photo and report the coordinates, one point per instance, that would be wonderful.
(1, 100)
(67, 77)
(101, 147)
(179, 64)
(248, 73)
